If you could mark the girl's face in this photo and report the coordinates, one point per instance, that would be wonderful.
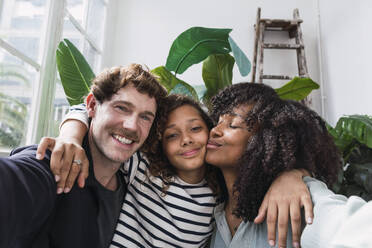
(229, 138)
(184, 142)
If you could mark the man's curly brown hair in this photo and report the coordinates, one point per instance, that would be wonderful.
(287, 136)
(159, 164)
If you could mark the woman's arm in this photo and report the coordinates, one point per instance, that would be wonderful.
(66, 149)
(285, 197)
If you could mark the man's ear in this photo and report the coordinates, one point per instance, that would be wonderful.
(91, 102)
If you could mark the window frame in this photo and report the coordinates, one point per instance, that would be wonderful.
(45, 86)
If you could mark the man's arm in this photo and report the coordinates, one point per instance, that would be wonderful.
(27, 195)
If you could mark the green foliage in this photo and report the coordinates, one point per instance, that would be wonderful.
(172, 83)
(353, 137)
(297, 89)
(241, 59)
(217, 74)
(12, 121)
(196, 44)
(75, 72)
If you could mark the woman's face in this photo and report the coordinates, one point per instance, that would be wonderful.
(184, 142)
(229, 138)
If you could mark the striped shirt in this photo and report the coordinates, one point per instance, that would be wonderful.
(182, 217)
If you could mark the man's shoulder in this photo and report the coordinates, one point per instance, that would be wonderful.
(26, 155)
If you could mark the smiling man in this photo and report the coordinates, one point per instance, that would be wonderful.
(122, 108)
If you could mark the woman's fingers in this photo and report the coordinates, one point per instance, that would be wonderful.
(295, 213)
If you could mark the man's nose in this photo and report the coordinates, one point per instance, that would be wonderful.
(130, 122)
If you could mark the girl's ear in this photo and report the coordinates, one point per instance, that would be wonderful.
(91, 103)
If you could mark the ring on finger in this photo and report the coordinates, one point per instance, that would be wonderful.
(77, 161)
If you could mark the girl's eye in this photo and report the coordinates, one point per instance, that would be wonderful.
(195, 129)
(170, 136)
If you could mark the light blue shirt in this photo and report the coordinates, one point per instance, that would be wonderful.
(247, 235)
(339, 222)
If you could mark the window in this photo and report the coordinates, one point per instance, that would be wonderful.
(32, 100)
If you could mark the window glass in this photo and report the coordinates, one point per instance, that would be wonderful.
(22, 25)
(17, 80)
(96, 19)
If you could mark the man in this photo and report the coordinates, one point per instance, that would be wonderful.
(122, 108)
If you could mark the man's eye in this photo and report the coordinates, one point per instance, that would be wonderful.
(122, 108)
(146, 118)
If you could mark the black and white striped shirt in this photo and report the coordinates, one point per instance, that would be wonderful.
(183, 217)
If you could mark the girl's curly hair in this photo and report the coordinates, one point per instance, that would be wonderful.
(288, 136)
(159, 163)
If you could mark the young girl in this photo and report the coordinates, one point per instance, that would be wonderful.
(263, 136)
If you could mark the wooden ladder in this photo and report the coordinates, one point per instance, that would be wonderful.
(293, 27)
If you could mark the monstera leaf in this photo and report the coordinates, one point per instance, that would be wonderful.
(353, 127)
(297, 89)
(75, 72)
(196, 44)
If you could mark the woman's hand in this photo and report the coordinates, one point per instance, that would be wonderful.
(286, 196)
(68, 157)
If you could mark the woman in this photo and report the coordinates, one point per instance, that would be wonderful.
(257, 137)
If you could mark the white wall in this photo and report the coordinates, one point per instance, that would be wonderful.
(346, 39)
(145, 30)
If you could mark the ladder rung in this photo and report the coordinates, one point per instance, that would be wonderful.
(280, 22)
(281, 46)
(276, 77)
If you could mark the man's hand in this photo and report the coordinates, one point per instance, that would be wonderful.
(286, 196)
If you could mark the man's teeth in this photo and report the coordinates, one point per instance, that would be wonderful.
(123, 139)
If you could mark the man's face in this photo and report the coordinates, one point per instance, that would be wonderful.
(120, 125)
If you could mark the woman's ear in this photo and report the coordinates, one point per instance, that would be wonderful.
(91, 103)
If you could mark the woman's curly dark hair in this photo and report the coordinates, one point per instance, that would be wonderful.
(159, 164)
(288, 135)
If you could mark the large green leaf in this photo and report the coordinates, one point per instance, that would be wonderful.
(297, 89)
(171, 82)
(241, 59)
(359, 127)
(75, 72)
(196, 44)
(217, 74)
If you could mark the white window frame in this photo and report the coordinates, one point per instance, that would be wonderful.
(44, 90)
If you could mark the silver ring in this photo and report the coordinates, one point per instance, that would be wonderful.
(77, 161)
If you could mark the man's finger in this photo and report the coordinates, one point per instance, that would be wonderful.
(45, 143)
(295, 214)
(283, 214)
(272, 214)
